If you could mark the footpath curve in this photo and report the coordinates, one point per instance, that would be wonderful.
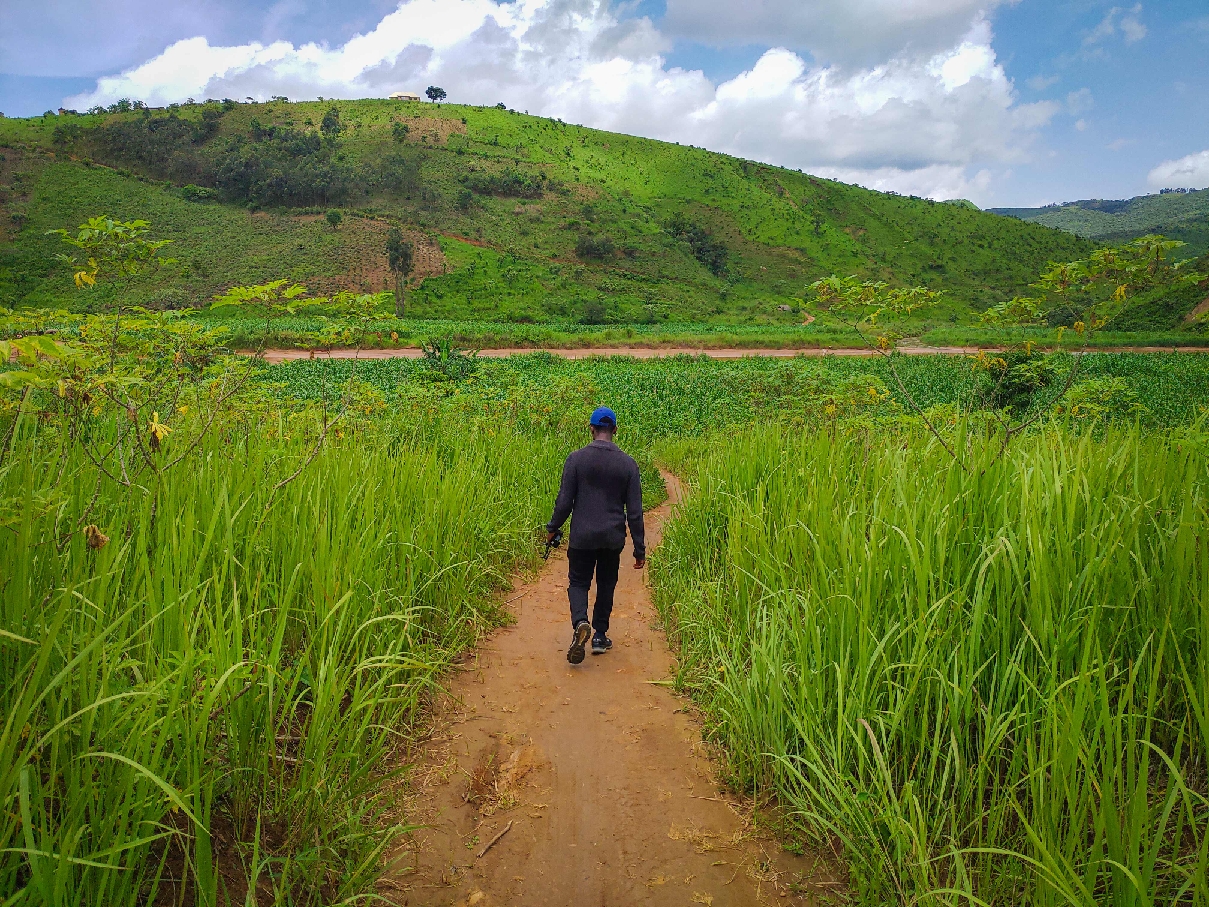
(641, 352)
(596, 776)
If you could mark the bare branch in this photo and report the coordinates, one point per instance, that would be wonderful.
(915, 407)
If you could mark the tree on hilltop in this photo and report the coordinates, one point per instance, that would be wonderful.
(436, 94)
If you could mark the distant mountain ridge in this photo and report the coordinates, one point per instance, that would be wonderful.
(1178, 215)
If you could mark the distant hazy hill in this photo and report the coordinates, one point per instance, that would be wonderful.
(516, 217)
(1183, 216)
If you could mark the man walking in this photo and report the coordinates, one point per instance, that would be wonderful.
(601, 492)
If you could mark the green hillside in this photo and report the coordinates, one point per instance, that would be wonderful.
(1178, 215)
(516, 218)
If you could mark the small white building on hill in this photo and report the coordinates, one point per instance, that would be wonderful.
(405, 96)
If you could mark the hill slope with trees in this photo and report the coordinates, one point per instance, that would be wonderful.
(513, 217)
(1175, 214)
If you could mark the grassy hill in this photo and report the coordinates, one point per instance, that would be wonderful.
(1178, 215)
(516, 218)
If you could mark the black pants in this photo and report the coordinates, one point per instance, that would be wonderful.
(581, 564)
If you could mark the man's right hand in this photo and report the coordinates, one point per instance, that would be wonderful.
(550, 537)
(639, 563)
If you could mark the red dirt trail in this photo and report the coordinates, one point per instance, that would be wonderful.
(599, 768)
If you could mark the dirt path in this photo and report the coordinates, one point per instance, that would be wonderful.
(641, 352)
(597, 773)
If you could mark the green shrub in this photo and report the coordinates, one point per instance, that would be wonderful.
(191, 193)
(509, 182)
(594, 246)
(594, 312)
(710, 252)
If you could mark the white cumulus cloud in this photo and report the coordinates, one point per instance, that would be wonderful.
(847, 32)
(928, 124)
(1188, 172)
(938, 181)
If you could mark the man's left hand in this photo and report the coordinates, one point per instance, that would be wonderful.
(639, 563)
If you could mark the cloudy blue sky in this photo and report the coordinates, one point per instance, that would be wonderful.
(1006, 102)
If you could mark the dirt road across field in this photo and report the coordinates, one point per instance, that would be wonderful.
(639, 352)
(592, 781)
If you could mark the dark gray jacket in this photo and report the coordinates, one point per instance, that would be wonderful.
(601, 488)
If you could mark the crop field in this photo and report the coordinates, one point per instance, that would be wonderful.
(302, 332)
(662, 397)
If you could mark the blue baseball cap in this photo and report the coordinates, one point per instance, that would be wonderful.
(603, 417)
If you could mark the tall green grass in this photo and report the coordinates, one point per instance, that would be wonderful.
(209, 701)
(983, 686)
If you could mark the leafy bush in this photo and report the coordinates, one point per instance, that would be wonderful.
(192, 193)
(1013, 380)
(712, 253)
(65, 135)
(510, 183)
(1102, 399)
(444, 361)
(594, 312)
(598, 246)
(330, 125)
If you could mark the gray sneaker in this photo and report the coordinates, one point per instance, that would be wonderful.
(575, 654)
(601, 644)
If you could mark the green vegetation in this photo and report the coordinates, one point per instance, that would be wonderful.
(302, 331)
(1178, 215)
(222, 606)
(985, 684)
(657, 398)
(215, 679)
(221, 611)
(561, 215)
(949, 610)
